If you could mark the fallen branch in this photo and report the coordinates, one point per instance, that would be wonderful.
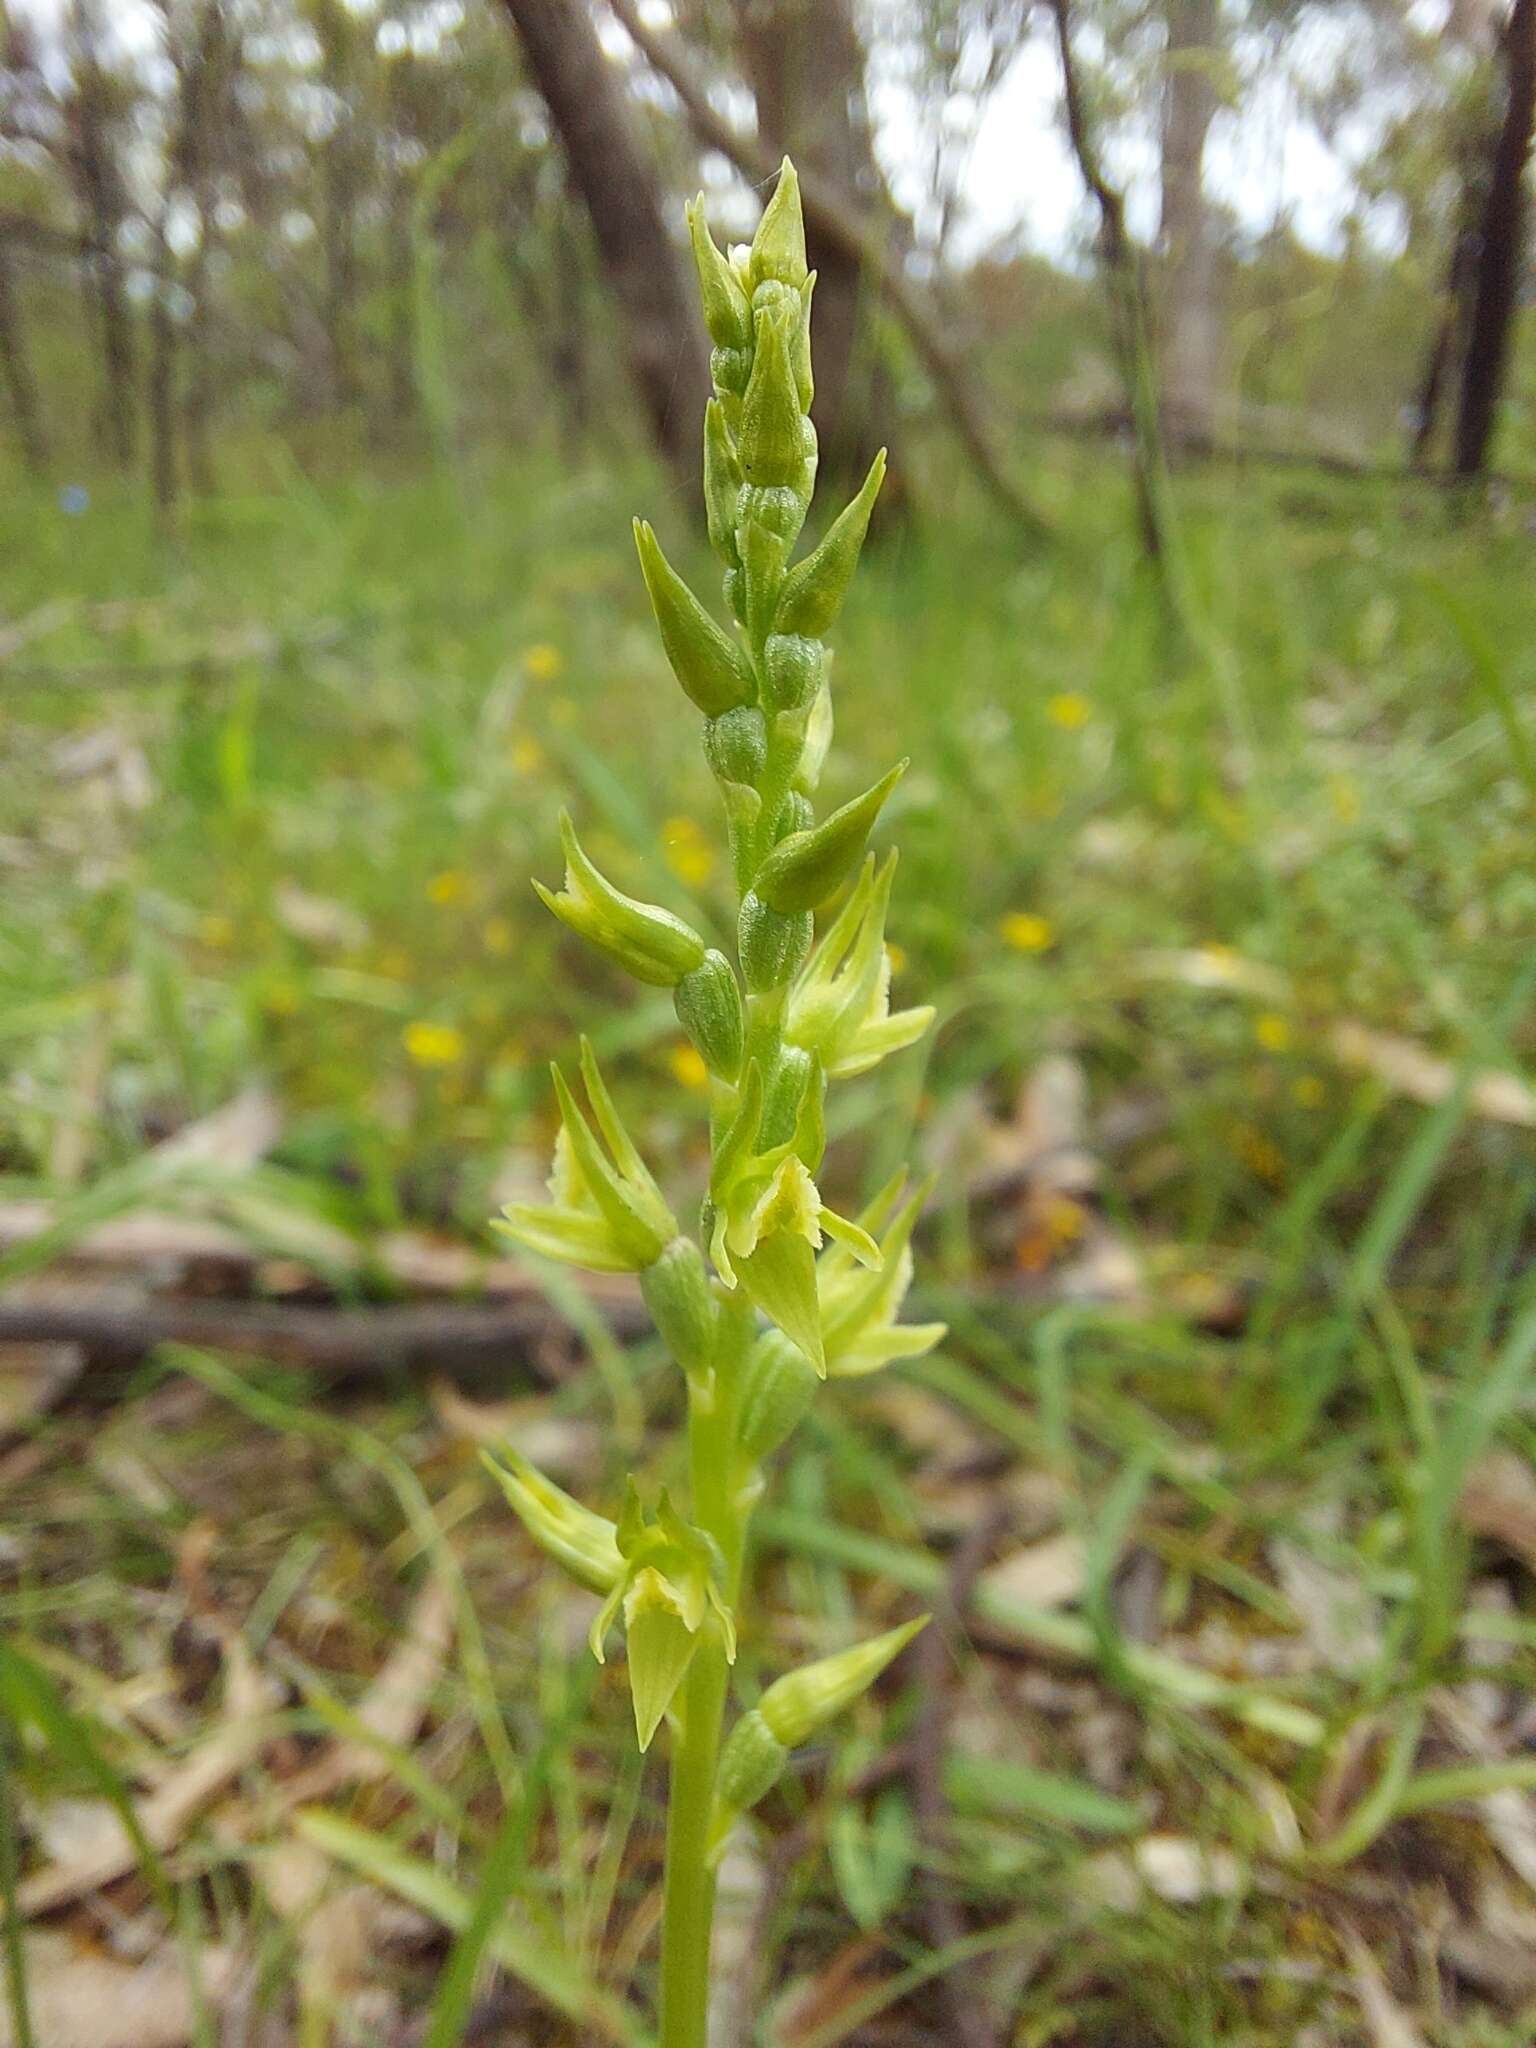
(336, 1340)
(838, 216)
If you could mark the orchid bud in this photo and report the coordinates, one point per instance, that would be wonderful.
(791, 669)
(677, 1293)
(778, 1389)
(790, 1712)
(778, 247)
(736, 744)
(706, 661)
(772, 437)
(795, 1706)
(727, 312)
(803, 870)
(650, 942)
(771, 943)
(708, 1005)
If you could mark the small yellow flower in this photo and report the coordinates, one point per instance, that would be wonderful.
(433, 1045)
(688, 1066)
(1309, 1091)
(1068, 710)
(1273, 1031)
(689, 853)
(543, 662)
(497, 936)
(527, 754)
(1259, 1153)
(451, 886)
(897, 955)
(1026, 931)
(216, 930)
(1345, 798)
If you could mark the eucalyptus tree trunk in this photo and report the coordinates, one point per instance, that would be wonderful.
(805, 64)
(1501, 247)
(1191, 315)
(622, 193)
(16, 370)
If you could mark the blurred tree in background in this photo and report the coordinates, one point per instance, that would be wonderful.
(402, 225)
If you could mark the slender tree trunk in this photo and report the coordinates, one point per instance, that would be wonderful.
(162, 377)
(198, 387)
(1127, 310)
(1501, 248)
(16, 369)
(1191, 317)
(1445, 350)
(401, 286)
(658, 327)
(100, 184)
(805, 65)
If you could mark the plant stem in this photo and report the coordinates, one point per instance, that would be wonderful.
(688, 1906)
(689, 1896)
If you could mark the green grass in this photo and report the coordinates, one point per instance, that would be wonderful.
(311, 867)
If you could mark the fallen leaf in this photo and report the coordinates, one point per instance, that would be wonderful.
(236, 1136)
(1048, 1574)
(1412, 1070)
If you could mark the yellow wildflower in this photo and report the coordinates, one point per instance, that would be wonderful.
(1345, 798)
(1068, 710)
(897, 956)
(689, 854)
(688, 1066)
(433, 1045)
(216, 930)
(1026, 931)
(1273, 1031)
(1259, 1153)
(527, 754)
(543, 662)
(451, 886)
(1309, 1091)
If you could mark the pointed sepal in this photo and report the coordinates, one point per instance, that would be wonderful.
(803, 870)
(651, 943)
(706, 661)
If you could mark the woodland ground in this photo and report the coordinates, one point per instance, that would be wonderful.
(1231, 939)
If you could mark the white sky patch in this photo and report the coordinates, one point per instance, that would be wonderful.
(1019, 187)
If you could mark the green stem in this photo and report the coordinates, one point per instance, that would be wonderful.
(688, 1898)
(688, 1908)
